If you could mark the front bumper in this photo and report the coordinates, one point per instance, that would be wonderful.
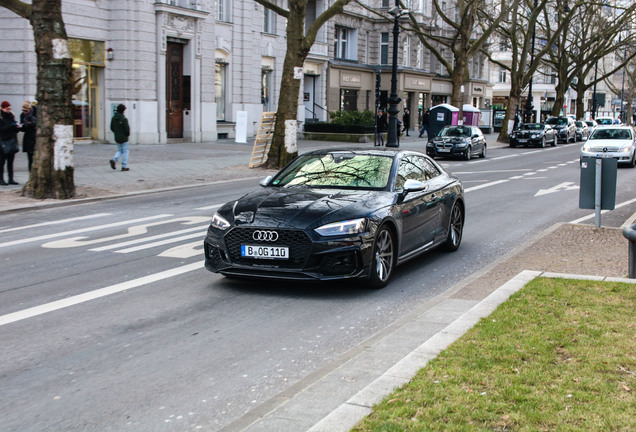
(523, 141)
(446, 151)
(309, 258)
(622, 157)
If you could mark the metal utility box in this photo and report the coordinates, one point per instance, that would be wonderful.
(587, 192)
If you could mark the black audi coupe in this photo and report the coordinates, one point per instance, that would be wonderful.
(336, 214)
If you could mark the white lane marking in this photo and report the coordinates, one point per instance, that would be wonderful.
(210, 207)
(566, 186)
(485, 185)
(184, 251)
(590, 216)
(92, 295)
(146, 239)
(200, 234)
(131, 232)
(56, 222)
(81, 230)
(490, 172)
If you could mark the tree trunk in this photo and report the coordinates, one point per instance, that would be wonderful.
(513, 102)
(279, 155)
(52, 172)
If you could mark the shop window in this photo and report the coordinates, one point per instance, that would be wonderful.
(348, 100)
(266, 88)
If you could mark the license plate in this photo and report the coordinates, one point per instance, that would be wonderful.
(443, 150)
(522, 140)
(264, 252)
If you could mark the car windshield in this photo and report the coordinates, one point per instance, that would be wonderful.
(531, 126)
(458, 131)
(557, 121)
(337, 170)
(605, 121)
(611, 134)
(579, 123)
(589, 123)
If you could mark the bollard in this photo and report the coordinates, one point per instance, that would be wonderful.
(629, 232)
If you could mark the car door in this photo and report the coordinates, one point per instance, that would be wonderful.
(478, 139)
(420, 211)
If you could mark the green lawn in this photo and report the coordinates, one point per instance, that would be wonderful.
(560, 355)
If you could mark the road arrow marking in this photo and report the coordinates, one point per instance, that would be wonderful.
(562, 187)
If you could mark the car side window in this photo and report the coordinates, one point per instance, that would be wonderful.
(411, 168)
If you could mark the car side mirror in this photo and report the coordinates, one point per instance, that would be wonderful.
(265, 181)
(414, 186)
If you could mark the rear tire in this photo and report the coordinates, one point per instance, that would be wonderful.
(483, 152)
(455, 228)
(554, 142)
(467, 155)
(383, 261)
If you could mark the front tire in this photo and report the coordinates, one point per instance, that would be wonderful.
(383, 261)
(455, 228)
(467, 155)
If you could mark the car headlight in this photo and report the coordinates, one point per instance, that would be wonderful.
(626, 148)
(587, 147)
(219, 222)
(353, 226)
(535, 136)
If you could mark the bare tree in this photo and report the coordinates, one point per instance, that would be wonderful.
(463, 30)
(589, 36)
(52, 171)
(626, 90)
(518, 32)
(299, 42)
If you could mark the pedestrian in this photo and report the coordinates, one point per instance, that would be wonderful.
(406, 120)
(515, 126)
(9, 129)
(380, 127)
(120, 127)
(425, 120)
(28, 118)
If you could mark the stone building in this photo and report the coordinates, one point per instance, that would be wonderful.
(197, 70)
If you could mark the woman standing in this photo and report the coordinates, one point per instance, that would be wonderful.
(28, 121)
(8, 132)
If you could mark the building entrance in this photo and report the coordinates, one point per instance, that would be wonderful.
(174, 90)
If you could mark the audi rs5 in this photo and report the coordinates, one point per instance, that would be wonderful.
(338, 214)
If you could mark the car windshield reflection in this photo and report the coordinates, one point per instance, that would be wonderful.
(455, 132)
(337, 170)
(611, 134)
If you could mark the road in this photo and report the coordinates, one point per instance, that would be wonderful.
(109, 321)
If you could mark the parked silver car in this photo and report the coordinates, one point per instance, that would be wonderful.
(618, 142)
(565, 127)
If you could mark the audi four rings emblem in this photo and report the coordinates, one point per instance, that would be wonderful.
(259, 235)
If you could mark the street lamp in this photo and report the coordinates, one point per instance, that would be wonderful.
(529, 105)
(394, 100)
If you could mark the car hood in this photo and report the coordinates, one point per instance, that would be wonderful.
(610, 145)
(303, 207)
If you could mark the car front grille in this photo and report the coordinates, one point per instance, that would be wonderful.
(297, 241)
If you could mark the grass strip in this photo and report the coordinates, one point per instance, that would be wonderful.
(560, 354)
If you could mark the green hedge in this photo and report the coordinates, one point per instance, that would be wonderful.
(353, 122)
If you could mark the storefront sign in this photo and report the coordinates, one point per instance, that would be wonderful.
(350, 79)
(412, 82)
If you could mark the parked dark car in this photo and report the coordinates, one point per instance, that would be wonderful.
(458, 141)
(565, 127)
(338, 214)
(533, 134)
(591, 125)
(582, 130)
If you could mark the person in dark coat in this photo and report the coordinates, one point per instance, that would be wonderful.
(28, 118)
(120, 127)
(406, 120)
(8, 130)
(381, 127)
(425, 119)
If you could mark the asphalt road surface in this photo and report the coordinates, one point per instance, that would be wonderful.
(109, 322)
